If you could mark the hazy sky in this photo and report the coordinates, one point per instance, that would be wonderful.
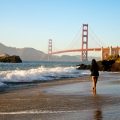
(30, 23)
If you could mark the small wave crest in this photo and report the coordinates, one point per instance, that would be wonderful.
(2, 86)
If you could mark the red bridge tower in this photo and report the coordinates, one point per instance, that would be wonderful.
(84, 54)
(49, 48)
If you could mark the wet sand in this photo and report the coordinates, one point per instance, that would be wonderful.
(71, 99)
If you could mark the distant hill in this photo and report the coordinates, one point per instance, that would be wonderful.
(31, 54)
(27, 54)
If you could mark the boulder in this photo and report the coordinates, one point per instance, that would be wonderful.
(11, 59)
(83, 67)
(115, 67)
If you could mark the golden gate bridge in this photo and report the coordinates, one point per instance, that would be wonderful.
(105, 51)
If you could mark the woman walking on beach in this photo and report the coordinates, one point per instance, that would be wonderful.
(94, 73)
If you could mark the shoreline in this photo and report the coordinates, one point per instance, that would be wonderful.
(35, 90)
(27, 85)
(55, 98)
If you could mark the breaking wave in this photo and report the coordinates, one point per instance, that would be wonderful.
(39, 74)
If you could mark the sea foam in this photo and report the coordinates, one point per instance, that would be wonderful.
(40, 74)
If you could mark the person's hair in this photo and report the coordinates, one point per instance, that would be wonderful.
(94, 64)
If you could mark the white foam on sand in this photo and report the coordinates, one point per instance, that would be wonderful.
(35, 112)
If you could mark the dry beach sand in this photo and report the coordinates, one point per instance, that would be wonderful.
(70, 99)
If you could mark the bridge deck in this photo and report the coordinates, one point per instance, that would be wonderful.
(79, 50)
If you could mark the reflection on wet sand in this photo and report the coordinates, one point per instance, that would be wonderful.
(97, 114)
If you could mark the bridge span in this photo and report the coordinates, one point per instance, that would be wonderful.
(105, 51)
(76, 50)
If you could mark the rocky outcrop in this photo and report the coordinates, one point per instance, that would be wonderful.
(83, 67)
(11, 59)
(115, 67)
(105, 65)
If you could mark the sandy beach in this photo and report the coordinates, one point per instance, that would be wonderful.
(70, 99)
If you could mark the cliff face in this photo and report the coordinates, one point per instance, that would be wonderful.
(10, 59)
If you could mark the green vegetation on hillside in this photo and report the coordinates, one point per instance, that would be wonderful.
(116, 58)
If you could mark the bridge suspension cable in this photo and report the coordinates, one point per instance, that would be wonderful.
(76, 41)
(94, 38)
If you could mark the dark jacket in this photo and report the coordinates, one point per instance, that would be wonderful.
(94, 70)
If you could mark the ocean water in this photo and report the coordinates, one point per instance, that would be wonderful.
(35, 72)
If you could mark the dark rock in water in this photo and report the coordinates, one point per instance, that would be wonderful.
(115, 67)
(83, 67)
(11, 59)
(107, 64)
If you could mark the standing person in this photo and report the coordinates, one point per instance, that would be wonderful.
(94, 73)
